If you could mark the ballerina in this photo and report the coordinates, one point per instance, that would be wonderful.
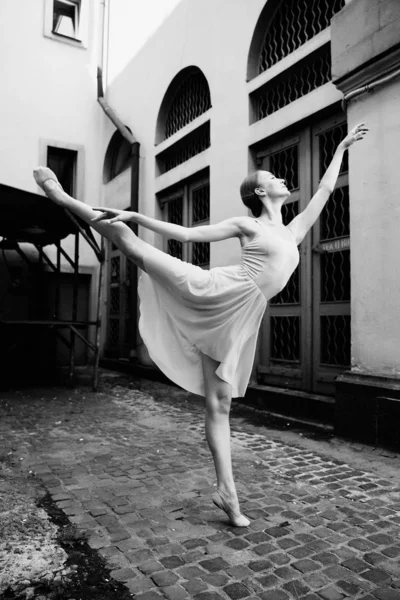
(200, 326)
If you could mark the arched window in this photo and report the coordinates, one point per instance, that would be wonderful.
(191, 100)
(187, 201)
(187, 97)
(283, 27)
(118, 157)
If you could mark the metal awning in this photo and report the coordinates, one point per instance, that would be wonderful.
(33, 218)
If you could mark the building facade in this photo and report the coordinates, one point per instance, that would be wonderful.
(50, 53)
(223, 88)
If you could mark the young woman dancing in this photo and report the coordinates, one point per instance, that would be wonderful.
(200, 327)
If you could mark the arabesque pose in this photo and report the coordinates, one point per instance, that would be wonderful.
(200, 326)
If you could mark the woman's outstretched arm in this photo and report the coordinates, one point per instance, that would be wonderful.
(306, 219)
(204, 233)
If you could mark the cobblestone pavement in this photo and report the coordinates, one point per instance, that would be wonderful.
(130, 467)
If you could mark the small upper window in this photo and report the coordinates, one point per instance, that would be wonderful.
(63, 162)
(66, 15)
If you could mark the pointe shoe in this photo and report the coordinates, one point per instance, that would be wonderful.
(236, 519)
(43, 174)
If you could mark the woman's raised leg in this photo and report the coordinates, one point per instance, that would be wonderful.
(119, 233)
(218, 403)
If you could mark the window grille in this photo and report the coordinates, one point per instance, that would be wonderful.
(335, 277)
(115, 268)
(285, 339)
(113, 332)
(307, 75)
(335, 340)
(291, 292)
(175, 215)
(328, 142)
(190, 206)
(335, 217)
(200, 204)
(285, 165)
(191, 100)
(201, 214)
(201, 254)
(191, 145)
(293, 24)
(114, 300)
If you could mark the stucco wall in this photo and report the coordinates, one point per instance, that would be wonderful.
(205, 34)
(48, 92)
(365, 49)
(375, 239)
(362, 31)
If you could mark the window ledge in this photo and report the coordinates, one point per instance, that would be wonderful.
(161, 146)
(64, 39)
(186, 169)
(316, 42)
(303, 107)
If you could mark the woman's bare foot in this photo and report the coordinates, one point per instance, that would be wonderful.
(48, 182)
(231, 509)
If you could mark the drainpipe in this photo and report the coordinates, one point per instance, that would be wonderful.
(134, 199)
(368, 87)
(111, 114)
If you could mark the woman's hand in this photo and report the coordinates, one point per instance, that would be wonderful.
(357, 133)
(114, 215)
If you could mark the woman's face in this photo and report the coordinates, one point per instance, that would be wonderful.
(273, 187)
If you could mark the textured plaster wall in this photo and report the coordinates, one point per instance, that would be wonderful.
(204, 34)
(375, 239)
(48, 92)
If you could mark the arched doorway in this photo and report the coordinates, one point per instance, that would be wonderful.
(305, 336)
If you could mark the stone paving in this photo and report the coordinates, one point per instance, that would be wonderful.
(130, 467)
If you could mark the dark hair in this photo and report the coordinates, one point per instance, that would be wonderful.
(248, 195)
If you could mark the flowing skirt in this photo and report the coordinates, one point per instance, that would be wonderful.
(186, 310)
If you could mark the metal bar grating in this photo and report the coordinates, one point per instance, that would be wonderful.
(335, 277)
(335, 340)
(291, 292)
(201, 204)
(191, 100)
(303, 78)
(293, 24)
(285, 339)
(191, 145)
(328, 142)
(201, 254)
(175, 215)
(285, 165)
(200, 214)
(113, 332)
(115, 268)
(114, 300)
(335, 217)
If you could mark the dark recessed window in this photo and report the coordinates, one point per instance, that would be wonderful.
(118, 157)
(66, 18)
(63, 163)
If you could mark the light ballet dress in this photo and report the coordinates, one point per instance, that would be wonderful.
(186, 310)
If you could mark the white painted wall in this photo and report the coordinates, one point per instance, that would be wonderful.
(375, 239)
(48, 92)
(205, 34)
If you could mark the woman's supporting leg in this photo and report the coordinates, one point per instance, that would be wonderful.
(119, 233)
(218, 404)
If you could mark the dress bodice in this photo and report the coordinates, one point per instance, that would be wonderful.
(269, 260)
